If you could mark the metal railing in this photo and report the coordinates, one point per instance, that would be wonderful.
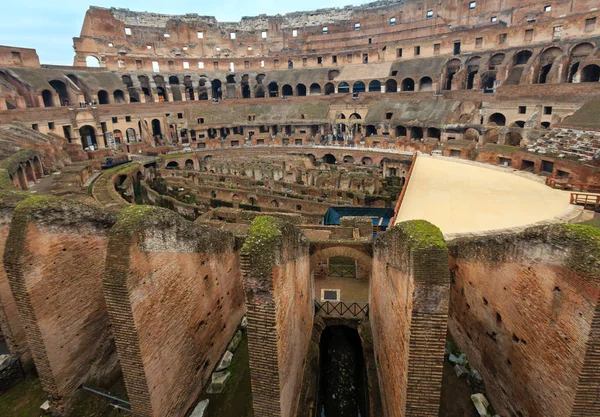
(341, 308)
(342, 271)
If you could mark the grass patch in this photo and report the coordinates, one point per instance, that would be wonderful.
(236, 399)
(23, 399)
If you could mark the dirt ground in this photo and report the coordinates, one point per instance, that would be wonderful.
(456, 395)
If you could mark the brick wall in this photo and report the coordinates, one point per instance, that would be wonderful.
(10, 322)
(408, 313)
(524, 307)
(175, 297)
(54, 260)
(275, 267)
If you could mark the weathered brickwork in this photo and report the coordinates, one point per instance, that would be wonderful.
(275, 267)
(175, 298)
(524, 307)
(409, 310)
(10, 322)
(54, 259)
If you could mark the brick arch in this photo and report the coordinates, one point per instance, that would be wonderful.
(363, 258)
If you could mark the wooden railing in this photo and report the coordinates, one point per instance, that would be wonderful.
(591, 201)
(563, 183)
(341, 308)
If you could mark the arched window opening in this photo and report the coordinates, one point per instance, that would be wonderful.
(375, 86)
(391, 86)
(358, 87)
(287, 90)
(329, 89)
(300, 90)
(315, 89)
(343, 87)
(103, 97)
(498, 119)
(119, 97)
(426, 84)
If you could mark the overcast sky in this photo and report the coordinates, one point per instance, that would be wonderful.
(49, 26)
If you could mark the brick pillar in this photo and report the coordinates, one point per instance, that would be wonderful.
(276, 274)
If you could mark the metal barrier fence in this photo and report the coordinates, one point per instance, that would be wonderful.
(341, 308)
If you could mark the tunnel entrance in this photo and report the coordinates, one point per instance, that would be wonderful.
(342, 383)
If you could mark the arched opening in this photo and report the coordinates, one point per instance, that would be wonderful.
(203, 89)
(355, 116)
(401, 131)
(315, 89)
(175, 88)
(61, 89)
(371, 130)
(300, 90)
(329, 158)
(329, 89)
(545, 125)
(343, 87)
(260, 91)
(514, 139)
(245, 84)
(434, 133)
(471, 135)
(217, 90)
(92, 62)
(578, 54)
(391, 86)
(366, 161)
(495, 61)
(358, 87)
(522, 57)
(156, 130)
(275, 203)
(408, 84)
(162, 94)
(189, 164)
(103, 97)
(341, 353)
(119, 97)
(426, 84)
(118, 136)
(498, 119)
(134, 97)
(375, 86)
(452, 67)
(48, 98)
(287, 90)
(333, 74)
(518, 123)
(547, 59)
(273, 89)
(348, 159)
(145, 84)
(472, 71)
(189, 88)
(590, 74)
(131, 136)
(88, 137)
(416, 133)
(173, 165)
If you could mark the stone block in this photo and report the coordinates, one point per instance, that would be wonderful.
(235, 342)
(219, 379)
(200, 409)
(225, 361)
(481, 403)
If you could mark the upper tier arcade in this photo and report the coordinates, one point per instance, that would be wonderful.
(376, 32)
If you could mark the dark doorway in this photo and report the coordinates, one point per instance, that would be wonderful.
(342, 382)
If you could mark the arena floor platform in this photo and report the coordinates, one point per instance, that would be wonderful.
(459, 197)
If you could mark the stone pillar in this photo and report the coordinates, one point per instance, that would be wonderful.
(21, 103)
(3, 105)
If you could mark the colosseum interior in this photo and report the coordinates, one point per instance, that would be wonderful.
(388, 210)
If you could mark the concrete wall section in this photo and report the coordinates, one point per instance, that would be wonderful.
(54, 258)
(408, 313)
(175, 297)
(275, 266)
(524, 307)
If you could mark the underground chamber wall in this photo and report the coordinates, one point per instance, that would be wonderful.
(342, 381)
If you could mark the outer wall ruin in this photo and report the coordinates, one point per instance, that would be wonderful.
(524, 307)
